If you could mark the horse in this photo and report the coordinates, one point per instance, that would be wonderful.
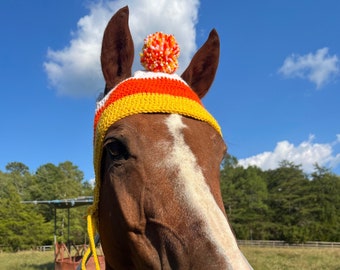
(157, 156)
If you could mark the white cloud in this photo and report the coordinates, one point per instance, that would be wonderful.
(92, 182)
(318, 68)
(75, 69)
(307, 153)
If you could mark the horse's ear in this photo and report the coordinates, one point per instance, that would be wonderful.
(202, 69)
(117, 49)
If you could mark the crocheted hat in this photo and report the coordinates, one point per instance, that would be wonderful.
(157, 90)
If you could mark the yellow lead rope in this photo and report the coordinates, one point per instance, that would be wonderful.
(92, 246)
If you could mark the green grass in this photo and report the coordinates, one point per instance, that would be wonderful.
(265, 258)
(259, 257)
(27, 260)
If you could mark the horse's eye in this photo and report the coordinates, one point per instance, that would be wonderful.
(117, 150)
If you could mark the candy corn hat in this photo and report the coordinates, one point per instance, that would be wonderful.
(156, 90)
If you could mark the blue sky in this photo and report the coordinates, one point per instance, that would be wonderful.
(276, 94)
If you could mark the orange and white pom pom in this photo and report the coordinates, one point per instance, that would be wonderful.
(160, 53)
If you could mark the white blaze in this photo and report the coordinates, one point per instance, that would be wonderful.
(196, 193)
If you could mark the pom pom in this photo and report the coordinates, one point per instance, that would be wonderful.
(160, 53)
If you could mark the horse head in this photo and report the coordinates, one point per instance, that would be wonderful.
(157, 156)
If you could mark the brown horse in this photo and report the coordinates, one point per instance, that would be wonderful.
(159, 204)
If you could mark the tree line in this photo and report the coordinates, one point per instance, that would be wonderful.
(24, 226)
(281, 204)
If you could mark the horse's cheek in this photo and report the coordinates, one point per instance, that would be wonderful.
(128, 189)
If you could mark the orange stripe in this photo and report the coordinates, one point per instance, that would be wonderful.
(148, 85)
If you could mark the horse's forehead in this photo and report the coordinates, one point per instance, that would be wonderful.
(160, 126)
(156, 133)
(140, 126)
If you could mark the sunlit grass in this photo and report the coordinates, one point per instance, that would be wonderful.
(268, 258)
(28, 260)
(261, 258)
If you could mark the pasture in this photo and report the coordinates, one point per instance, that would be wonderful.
(265, 258)
(262, 258)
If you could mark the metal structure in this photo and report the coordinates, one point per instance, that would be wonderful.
(63, 260)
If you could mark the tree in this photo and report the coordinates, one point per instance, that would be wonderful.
(53, 182)
(244, 193)
(325, 186)
(17, 167)
(25, 225)
(20, 178)
(288, 187)
(21, 227)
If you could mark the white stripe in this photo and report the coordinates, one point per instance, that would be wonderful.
(196, 193)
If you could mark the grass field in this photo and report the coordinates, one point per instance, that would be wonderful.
(265, 258)
(260, 258)
(27, 260)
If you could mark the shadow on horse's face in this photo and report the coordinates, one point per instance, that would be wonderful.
(160, 203)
